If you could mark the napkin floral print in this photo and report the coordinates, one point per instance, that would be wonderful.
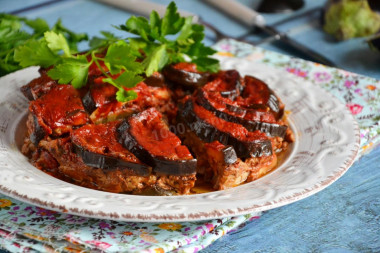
(27, 228)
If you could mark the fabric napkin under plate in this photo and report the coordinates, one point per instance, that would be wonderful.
(28, 228)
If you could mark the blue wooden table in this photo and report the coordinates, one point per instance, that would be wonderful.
(345, 217)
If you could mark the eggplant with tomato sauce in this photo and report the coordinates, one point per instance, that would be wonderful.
(98, 147)
(186, 75)
(251, 119)
(209, 128)
(228, 83)
(98, 95)
(157, 79)
(38, 86)
(36, 132)
(148, 137)
(56, 113)
(232, 126)
(226, 173)
(225, 154)
(257, 95)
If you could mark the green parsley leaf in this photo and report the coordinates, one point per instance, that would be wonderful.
(187, 45)
(107, 39)
(137, 45)
(20, 48)
(72, 38)
(71, 70)
(35, 53)
(9, 38)
(5, 16)
(197, 34)
(13, 24)
(155, 25)
(156, 60)
(138, 26)
(57, 42)
(128, 79)
(172, 22)
(38, 25)
(7, 67)
(207, 64)
(200, 50)
(186, 31)
(125, 96)
(119, 56)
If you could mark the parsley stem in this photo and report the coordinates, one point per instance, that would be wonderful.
(96, 60)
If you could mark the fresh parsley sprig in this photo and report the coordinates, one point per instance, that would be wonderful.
(17, 31)
(123, 62)
(169, 40)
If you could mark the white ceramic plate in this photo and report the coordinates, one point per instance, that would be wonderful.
(327, 141)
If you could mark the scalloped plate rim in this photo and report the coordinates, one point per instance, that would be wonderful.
(191, 214)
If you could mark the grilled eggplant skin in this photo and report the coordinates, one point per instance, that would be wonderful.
(270, 129)
(88, 103)
(175, 167)
(129, 142)
(209, 133)
(160, 164)
(38, 86)
(107, 162)
(27, 91)
(157, 79)
(229, 155)
(232, 84)
(98, 147)
(59, 111)
(38, 132)
(267, 97)
(98, 94)
(188, 79)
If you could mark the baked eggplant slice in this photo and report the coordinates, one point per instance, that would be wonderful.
(251, 119)
(98, 147)
(38, 133)
(58, 111)
(148, 96)
(149, 138)
(209, 128)
(228, 83)
(217, 163)
(257, 95)
(71, 165)
(98, 95)
(38, 87)
(186, 75)
(89, 103)
(227, 154)
(157, 79)
(226, 174)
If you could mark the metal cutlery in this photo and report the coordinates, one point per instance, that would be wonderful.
(253, 19)
(238, 11)
(278, 6)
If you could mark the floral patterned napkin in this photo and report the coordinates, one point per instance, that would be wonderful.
(27, 228)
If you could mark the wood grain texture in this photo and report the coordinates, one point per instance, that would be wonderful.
(342, 218)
